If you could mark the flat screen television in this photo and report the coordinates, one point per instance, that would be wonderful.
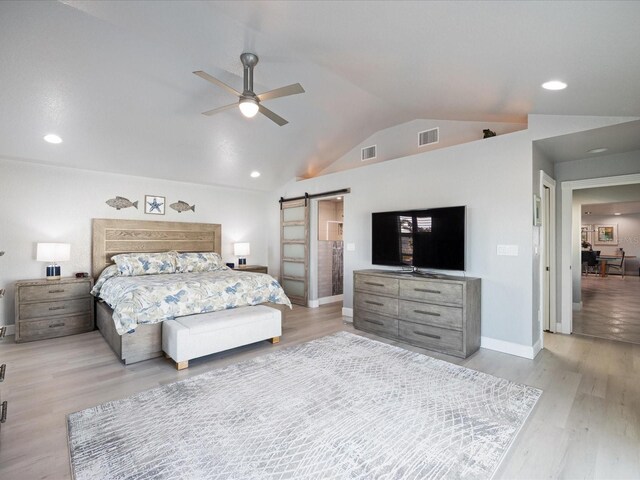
(429, 238)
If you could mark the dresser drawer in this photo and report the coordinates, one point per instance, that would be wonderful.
(377, 304)
(49, 309)
(383, 285)
(374, 323)
(434, 338)
(54, 327)
(431, 314)
(431, 291)
(55, 291)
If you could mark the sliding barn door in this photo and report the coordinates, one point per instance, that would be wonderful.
(294, 250)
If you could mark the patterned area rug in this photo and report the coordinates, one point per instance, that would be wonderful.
(342, 406)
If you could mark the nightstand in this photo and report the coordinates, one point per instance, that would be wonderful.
(53, 308)
(251, 268)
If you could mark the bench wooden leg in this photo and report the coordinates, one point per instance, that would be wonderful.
(275, 340)
(182, 365)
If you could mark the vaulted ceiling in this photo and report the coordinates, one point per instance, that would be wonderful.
(115, 81)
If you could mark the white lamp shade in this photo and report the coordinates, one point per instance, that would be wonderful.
(53, 252)
(241, 249)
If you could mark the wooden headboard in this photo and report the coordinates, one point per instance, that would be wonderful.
(112, 236)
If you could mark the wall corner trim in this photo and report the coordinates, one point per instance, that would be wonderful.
(516, 349)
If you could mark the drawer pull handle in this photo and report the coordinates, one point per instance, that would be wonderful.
(433, 314)
(57, 291)
(3, 417)
(375, 322)
(374, 284)
(426, 290)
(3, 370)
(378, 304)
(56, 308)
(56, 325)
(437, 337)
(3, 330)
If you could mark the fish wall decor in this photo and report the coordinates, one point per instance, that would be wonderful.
(181, 206)
(121, 202)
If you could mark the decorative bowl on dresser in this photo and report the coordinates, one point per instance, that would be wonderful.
(53, 308)
(439, 313)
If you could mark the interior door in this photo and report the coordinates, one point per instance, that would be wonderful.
(294, 250)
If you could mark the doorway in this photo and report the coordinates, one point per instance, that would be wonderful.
(330, 250)
(571, 264)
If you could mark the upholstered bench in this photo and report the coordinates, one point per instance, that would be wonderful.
(193, 336)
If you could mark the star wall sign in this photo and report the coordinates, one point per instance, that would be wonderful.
(154, 204)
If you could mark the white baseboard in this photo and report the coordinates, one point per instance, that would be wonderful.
(537, 347)
(576, 306)
(324, 301)
(347, 312)
(11, 329)
(509, 347)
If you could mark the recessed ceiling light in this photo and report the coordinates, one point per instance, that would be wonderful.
(255, 174)
(554, 85)
(617, 214)
(338, 198)
(598, 150)
(52, 138)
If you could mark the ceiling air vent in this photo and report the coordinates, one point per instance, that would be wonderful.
(428, 137)
(368, 153)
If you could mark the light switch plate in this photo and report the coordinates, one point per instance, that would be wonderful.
(351, 247)
(508, 250)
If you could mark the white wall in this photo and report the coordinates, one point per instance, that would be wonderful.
(43, 203)
(491, 177)
(402, 140)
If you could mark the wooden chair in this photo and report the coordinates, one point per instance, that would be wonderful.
(589, 262)
(617, 266)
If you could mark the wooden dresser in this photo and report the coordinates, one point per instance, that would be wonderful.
(437, 313)
(53, 308)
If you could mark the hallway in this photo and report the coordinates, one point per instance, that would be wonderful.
(610, 309)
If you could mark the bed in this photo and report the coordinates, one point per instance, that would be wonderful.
(133, 328)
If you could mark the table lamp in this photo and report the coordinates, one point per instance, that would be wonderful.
(241, 250)
(53, 253)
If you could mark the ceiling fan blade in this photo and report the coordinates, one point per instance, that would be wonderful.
(281, 92)
(272, 116)
(208, 113)
(215, 81)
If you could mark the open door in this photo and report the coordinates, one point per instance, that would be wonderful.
(294, 250)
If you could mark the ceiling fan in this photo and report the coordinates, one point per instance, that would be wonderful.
(249, 102)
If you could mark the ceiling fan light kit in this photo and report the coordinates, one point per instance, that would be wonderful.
(249, 102)
(249, 107)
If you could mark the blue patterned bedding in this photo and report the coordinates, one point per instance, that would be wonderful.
(154, 298)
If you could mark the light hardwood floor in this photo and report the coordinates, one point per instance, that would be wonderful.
(610, 308)
(586, 424)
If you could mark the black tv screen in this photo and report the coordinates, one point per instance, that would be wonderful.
(429, 238)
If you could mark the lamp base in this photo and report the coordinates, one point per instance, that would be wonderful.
(53, 272)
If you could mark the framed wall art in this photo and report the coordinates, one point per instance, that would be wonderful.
(606, 235)
(154, 204)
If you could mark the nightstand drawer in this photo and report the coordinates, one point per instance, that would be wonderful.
(431, 314)
(432, 292)
(384, 285)
(50, 309)
(377, 304)
(54, 291)
(54, 327)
